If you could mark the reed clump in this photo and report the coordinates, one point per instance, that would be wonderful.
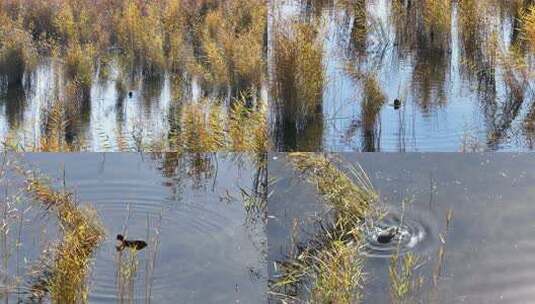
(17, 51)
(372, 103)
(329, 266)
(178, 51)
(437, 23)
(207, 126)
(351, 197)
(404, 283)
(81, 231)
(527, 21)
(298, 75)
(139, 34)
(79, 68)
(60, 123)
(232, 40)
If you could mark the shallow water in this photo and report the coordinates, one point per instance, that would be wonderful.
(444, 108)
(490, 241)
(209, 251)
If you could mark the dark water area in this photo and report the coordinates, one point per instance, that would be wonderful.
(447, 102)
(488, 248)
(203, 246)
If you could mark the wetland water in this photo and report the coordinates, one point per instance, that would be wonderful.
(448, 100)
(445, 105)
(203, 245)
(107, 121)
(490, 242)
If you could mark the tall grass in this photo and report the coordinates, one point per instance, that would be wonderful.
(208, 127)
(527, 21)
(232, 40)
(139, 34)
(17, 51)
(82, 232)
(437, 23)
(329, 267)
(79, 68)
(298, 73)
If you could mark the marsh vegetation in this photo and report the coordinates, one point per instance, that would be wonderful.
(330, 236)
(131, 75)
(337, 75)
(385, 75)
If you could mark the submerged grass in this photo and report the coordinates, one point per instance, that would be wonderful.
(82, 232)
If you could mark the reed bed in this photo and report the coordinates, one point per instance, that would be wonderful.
(329, 267)
(299, 74)
(208, 127)
(527, 21)
(65, 278)
(221, 41)
(17, 51)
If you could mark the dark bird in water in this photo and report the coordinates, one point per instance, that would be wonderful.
(130, 94)
(397, 104)
(386, 236)
(123, 243)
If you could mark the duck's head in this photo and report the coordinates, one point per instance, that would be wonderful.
(120, 237)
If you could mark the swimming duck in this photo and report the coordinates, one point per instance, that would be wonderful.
(386, 236)
(123, 243)
(397, 104)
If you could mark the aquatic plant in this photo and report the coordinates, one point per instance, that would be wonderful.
(437, 23)
(55, 127)
(178, 52)
(352, 196)
(127, 268)
(232, 40)
(329, 266)
(81, 232)
(339, 275)
(139, 34)
(17, 51)
(207, 127)
(373, 101)
(298, 72)
(79, 67)
(527, 21)
(404, 283)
